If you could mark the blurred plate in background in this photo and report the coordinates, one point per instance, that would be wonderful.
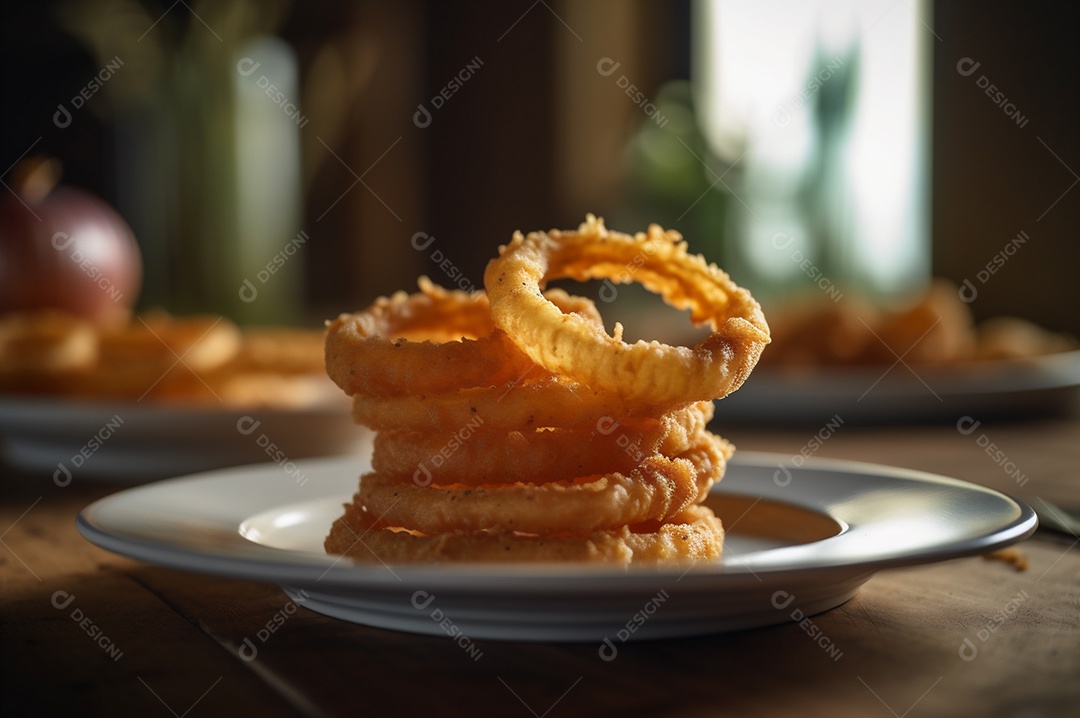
(907, 393)
(131, 442)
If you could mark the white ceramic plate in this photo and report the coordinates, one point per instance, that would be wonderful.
(132, 442)
(907, 393)
(804, 543)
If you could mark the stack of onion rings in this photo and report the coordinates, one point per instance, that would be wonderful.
(511, 426)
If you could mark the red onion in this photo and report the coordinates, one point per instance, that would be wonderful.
(64, 248)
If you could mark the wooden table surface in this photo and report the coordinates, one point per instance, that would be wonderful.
(136, 638)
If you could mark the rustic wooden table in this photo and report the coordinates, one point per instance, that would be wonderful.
(965, 637)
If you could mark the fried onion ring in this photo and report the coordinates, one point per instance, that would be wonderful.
(645, 371)
(695, 533)
(479, 455)
(549, 401)
(431, 342)
(517, 429)
(657, 489)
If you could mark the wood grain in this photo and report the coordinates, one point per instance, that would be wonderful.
(896, 646)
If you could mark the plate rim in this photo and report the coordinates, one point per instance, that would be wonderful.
(264, 563)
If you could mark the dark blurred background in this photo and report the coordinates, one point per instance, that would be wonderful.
(224, 130)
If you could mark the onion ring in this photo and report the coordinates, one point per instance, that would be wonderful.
(546, 402)
(657, 489)
(516, 428)
(645, 371)
(693, 534)
(376, 352)
(472, 455)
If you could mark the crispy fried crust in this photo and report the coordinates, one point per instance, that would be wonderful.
(600, 453)
(646, 371)
(693, 535)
